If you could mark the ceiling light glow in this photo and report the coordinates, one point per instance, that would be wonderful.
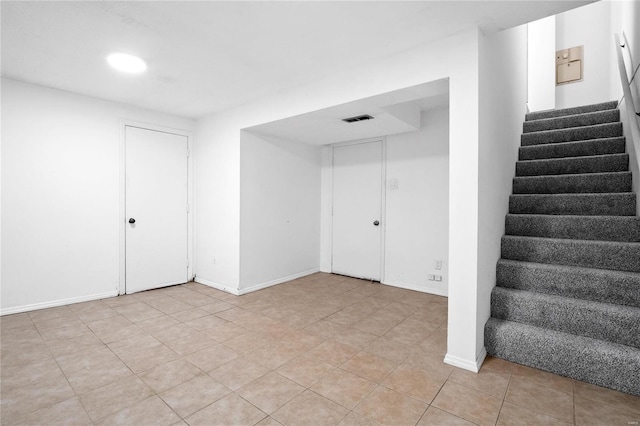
(126, 63)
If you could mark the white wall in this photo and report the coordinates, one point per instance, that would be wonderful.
(625, 18)
(218, 166)
(541, 64)
(279, 210)
(60, 190)
(217, 206)
(589, 26)
(503, 96)
(417, 213)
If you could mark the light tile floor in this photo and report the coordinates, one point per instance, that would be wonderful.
(320, 350)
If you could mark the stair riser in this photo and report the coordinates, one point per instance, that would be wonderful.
(572, 184)
(588, 254)
(573, 149)
(578, 204)
(576, 165)
(571, 111)
(606, 228)
(617, 324)
(598, 285)
(590, 119)
(573, 134)
(609, 365)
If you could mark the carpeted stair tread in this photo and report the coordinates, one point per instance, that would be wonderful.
(571, 184)
(605, 228)
(619, 256)
(604, 321)
(600, 285)
(567, 295)
(568, 121)
(573, 165)
(611, 204)
(541, 115)
(590, 360)
(582, 148)
(598, 131)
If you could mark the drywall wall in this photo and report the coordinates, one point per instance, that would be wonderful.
(61, 194)
(279, 211)
(541, 64)
(625, 20)
(417, 212)
(503, 96)
(217, 205)
(587, 26)
(217, 139)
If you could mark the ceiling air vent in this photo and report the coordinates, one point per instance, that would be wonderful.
(357, 118)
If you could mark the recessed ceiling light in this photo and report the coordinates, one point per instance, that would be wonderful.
(126, 63)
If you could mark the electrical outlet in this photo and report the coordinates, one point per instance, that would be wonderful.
(438, 277)
(432, 277)
(437, 264)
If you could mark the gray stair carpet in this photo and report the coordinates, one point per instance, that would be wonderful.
(587, 119)
(599, 285)
(610, 204)
(567, 295)
(573, 165)
(568, 184)
(608, 130)
(608, 228)
(571, 111)
(584, 148)
(582, 358)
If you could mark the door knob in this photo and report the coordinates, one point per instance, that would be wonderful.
(132, 220)
(376, 223)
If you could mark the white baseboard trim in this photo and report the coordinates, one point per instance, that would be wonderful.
(55, 303)
(278, 281)
(430, 290)
(217, 286)
(466, 364)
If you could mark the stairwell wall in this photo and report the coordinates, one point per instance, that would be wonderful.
(625, 18)
(503, 97)
(587, 26)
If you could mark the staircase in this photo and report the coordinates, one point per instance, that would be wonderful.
(567, 298)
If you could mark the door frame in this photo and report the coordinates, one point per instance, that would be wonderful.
(383, 196)
(124, 123)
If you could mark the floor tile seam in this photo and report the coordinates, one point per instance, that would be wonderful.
(543, 383)
(127, 405)
(573, 402)
(626, 410)
(255, 406)
(540, 412)
(362, 400)
(504, 396)
(68, 383)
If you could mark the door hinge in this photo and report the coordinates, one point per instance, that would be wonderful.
(187, 153)
(187, 262)
(188, 209)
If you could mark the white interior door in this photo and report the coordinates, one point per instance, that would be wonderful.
(156, 209)
(357, 207)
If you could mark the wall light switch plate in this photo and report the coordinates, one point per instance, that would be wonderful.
(437, 264)
(392, 183)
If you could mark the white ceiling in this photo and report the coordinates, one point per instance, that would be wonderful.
(394, 112)
(207, 56)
